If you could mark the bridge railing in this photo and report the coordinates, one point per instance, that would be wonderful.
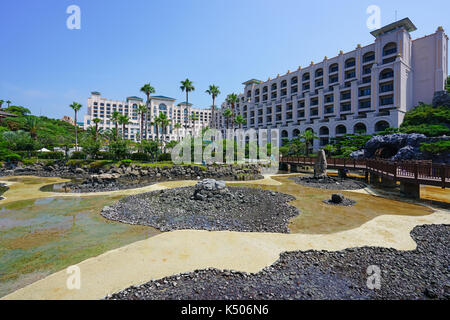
(415, 170)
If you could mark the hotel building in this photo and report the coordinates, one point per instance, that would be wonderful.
(366, 90)
(102, 108)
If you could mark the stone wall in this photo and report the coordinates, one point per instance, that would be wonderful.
(133, 171)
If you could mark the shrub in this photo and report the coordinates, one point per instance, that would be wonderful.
(78, 155)
(76, 162)
(104, 155)
(12, 157)
(50, 155)
(164, 157)
(99, 164)
(126, 162)
(140, 156)
(438, 147)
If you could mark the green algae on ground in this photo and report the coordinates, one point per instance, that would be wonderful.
(43, 236)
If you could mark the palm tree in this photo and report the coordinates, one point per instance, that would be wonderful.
(193, 118)
(228, 114)
(164, 122)
(187, 86)
(308, 136)
(124, 120)
(96, 121)
(76, 107)
(142, 109)
(1, 102)
(115, 116)
(177, 127)
(240, 121)
(147, 89)
(213, 91)
(156, 122)
(8, 102)
(232, 99)
(32, 124)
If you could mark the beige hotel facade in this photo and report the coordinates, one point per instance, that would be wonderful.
(365, 90)
(102, 108)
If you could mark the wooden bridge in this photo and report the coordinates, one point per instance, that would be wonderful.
(410, 174)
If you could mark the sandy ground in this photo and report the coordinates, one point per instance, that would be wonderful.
(187, 250)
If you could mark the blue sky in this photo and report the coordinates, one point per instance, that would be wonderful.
(123, 44)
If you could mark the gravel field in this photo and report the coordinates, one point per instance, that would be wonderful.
(329, 183)
(242, 209)
(423, 273)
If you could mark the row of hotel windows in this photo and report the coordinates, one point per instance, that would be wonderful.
(384, 75)
(363, 105)
(350, 63)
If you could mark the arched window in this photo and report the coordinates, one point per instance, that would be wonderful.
(319, 72)
(284, 134)
(350, 62)
(295, 133)
(381, 126)
(360, 128)
(369, 56)
(341, 129)
(324, 131)
(389, 49)
(386, 73)
(305, 76)
(162, 107)
(333, 68)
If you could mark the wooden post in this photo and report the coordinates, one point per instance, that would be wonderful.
(416, 171)
(395, 171)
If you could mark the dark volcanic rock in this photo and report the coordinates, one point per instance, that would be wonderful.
(338, 199)
(329, 183)
(423, 273)
(233, 208)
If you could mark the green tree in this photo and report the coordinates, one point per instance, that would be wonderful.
(76, 107)
(148, 90)
(96, 121)
(32, 125)
(308, 137)
(187, 86)
(142, 110)
(193, 118)
(8, 102)
(115, 117)
(228, 114)
(240, 121)
(177, 128)
(232, 99)
(1, 103)
(124, 120)
(18, 110)
(213, 91)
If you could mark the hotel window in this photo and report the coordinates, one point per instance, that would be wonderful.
(368, 57)
(333, 79)
(389, 49)
(350, 74)
(306, 77)
(284, 84)
(350, 63)
(346, 107)
(319, 73)
(274, 86)
(364, 92)
(334, 68)
(386, 101)
(294, 80)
